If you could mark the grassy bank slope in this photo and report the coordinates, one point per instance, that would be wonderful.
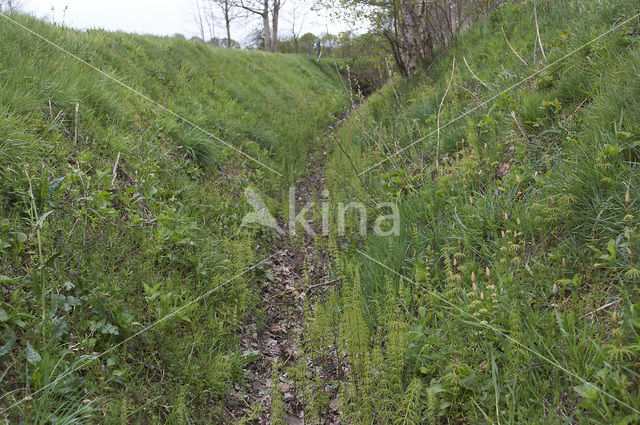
(518, 231)
(88, 259)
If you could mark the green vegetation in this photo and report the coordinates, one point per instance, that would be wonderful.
(90, 258)
(510, 294)
(363, 59)
(519, 243)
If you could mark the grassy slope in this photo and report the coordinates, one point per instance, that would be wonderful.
(113, 258)
(537, 207)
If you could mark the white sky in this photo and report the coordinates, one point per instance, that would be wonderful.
(167, 17)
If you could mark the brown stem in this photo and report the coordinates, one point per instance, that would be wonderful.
(354, 168)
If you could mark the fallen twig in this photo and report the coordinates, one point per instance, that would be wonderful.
(599, 309)
(317, 285)
(115, 169)
(515, 118)
(75, 125)
(511, 47)
(474, 75)
(535, 14)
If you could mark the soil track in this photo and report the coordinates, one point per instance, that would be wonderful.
(275, 335)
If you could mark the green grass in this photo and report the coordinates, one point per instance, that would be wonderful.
(103, 260)
(523, 235)
(539, 203)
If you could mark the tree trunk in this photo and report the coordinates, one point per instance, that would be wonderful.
(396, 50)
(265, 23)
(274, 26)
(227, 21)
(265, 20)
(417, 38)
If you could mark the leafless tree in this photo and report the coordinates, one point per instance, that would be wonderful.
(204, 17)
(10, 5)
(276, 5)
(229, 13)
(263, 9)
(295, 30)
(260, 8)
(200, 17)
(209, 18)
